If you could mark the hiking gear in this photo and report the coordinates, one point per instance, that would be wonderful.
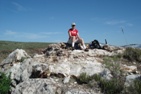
(95, 44)
(105, 41)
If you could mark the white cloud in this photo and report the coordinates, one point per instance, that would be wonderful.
(9, 32)
(114, 22)
(24, 35)
(120, 22)
(18, 6)
(31, 36)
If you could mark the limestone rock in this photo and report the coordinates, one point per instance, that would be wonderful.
(129, 69)
(49, 86)
(16, 56)
(19, 55)
(131, 78)
(50, 73)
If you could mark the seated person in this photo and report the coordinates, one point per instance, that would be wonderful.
(74, 37)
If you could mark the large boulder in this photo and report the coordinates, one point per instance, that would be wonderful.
(15, 57)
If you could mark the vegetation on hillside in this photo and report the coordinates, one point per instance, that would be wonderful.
(116, 84)
(6, 47)
(113, 86)
(4, 83)
(132, 54)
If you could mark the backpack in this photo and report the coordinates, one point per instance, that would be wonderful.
(95, 44)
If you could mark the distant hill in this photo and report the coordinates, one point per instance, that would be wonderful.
(133, 45)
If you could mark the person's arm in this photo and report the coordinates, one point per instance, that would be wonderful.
(69, 33)
(78, 36)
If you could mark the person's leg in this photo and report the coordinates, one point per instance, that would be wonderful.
(82, 42)
(72, 41)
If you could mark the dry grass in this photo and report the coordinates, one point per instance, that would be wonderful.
(6, 47)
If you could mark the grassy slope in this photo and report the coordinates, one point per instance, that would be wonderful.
(6, 47)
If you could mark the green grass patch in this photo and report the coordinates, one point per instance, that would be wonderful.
(7, 45)
(135, 88)
(113, 86)
(113, 64)
(84, 78)
(4, 83)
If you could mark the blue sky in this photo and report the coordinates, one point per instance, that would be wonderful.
(49, 20)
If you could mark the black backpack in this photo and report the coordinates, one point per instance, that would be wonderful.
(95, 44)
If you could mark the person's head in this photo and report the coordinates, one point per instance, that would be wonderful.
(73, 25)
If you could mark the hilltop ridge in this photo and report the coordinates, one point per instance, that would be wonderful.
(58, 70)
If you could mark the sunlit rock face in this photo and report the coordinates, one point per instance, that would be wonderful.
(51, 72)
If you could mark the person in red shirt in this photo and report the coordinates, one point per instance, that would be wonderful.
(74, 37)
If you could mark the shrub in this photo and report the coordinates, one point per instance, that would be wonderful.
(135, 88)
(4, 83)
(84, 78)
(113, 64)
(113, 86)
(132, 54)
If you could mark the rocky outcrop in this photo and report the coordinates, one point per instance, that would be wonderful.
(50, 86)
(52, 72)
(15, 57)
(130, 79)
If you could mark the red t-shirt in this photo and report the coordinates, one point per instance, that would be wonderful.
(73, 32)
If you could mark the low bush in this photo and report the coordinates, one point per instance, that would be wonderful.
(113, 86)
(84, 78)
(135, 88)
(113, 64)
(132, 54)
(4, 83)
